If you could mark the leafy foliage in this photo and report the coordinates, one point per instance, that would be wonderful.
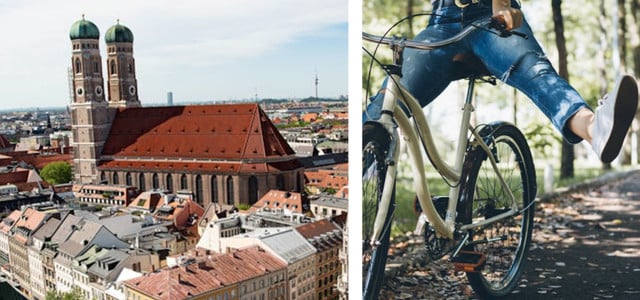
(57, 172)
(75, 294)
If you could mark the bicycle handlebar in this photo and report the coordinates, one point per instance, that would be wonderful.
(402, 42)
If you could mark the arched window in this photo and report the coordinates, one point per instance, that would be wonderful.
(230, 190)
(113, 67)
(183, 182)
(130, 68)
(155, 182)
(127, 179)
(199, 189)
(253, 190)
(169, 182)
(78, 66)
(280, 182)
(103, 177)
(141, 182)
(214, 189)
(116, 180)
(96, 67)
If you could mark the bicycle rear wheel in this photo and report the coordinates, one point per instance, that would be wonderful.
(504, 242)
(375, 143)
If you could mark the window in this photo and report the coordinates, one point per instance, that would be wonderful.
(127, 179)
(253, 190)
(113, 67)
(214, 189)
(280, 182)
(78, 66)
(199, 189)
(183, 182)
(116, 180)
(155, 182)
(169, 182)
(103, 177)
(141, 182)
(230, 198)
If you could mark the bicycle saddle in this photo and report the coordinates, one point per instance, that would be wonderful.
(468, 65)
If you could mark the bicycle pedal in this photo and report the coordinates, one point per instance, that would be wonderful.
(468, 261)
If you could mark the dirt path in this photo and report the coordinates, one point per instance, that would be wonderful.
(586, 246)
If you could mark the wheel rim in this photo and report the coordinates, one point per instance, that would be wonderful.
(504, 257)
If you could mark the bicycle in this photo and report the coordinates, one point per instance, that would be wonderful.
(486, 222)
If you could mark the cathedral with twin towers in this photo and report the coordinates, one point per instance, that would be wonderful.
(225, 154)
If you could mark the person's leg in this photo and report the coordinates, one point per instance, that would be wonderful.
(522, 64)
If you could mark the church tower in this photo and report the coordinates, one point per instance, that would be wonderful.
(121, 67)
(89, 110)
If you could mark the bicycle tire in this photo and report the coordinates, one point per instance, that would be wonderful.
(484, 197)
(375, 146)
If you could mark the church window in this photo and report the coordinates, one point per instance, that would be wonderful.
(253, 190)
(127, 179)
(214, 189)
(116, 180)
(183, 182)
(96, 67)
(156, 182)
(141, 182)
(103, 177)
(199, 189)
(280, 182)
(78, 66)
(230, 190)
(130, 68)
(169, 182)
(113, 67)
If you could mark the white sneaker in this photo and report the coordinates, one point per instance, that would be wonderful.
(613, 118)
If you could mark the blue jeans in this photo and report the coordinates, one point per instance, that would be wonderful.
(519, 62)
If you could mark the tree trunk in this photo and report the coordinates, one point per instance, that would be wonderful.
(566, 160)
(634, 40)
(410, 13)
(602, 57)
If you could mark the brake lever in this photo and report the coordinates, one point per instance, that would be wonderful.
(502, 30)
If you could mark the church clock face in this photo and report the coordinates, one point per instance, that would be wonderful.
(132, 90)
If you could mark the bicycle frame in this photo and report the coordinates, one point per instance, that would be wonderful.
(416, 134)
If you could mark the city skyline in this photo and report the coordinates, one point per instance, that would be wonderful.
(200, 50)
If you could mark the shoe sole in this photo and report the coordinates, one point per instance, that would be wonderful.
(624, 111)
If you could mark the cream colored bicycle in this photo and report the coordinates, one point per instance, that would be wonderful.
(485, 223)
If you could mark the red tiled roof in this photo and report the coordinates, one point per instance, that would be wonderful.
(14, 177)
(275, 199)
(207, 274)
(317, 228)
(12, 218)
(240, 131)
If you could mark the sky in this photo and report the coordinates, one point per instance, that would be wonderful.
(200, 50)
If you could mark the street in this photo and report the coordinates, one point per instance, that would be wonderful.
(586, 245)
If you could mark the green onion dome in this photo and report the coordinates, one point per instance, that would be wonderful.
(118, 34)
(83, 29)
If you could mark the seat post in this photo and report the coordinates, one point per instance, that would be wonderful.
(472, 83)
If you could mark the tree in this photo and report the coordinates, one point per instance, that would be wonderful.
(57, 172)
(566, 160)
(74, 294)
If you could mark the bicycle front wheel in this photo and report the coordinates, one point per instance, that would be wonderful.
(504, 242)
(375, 143)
